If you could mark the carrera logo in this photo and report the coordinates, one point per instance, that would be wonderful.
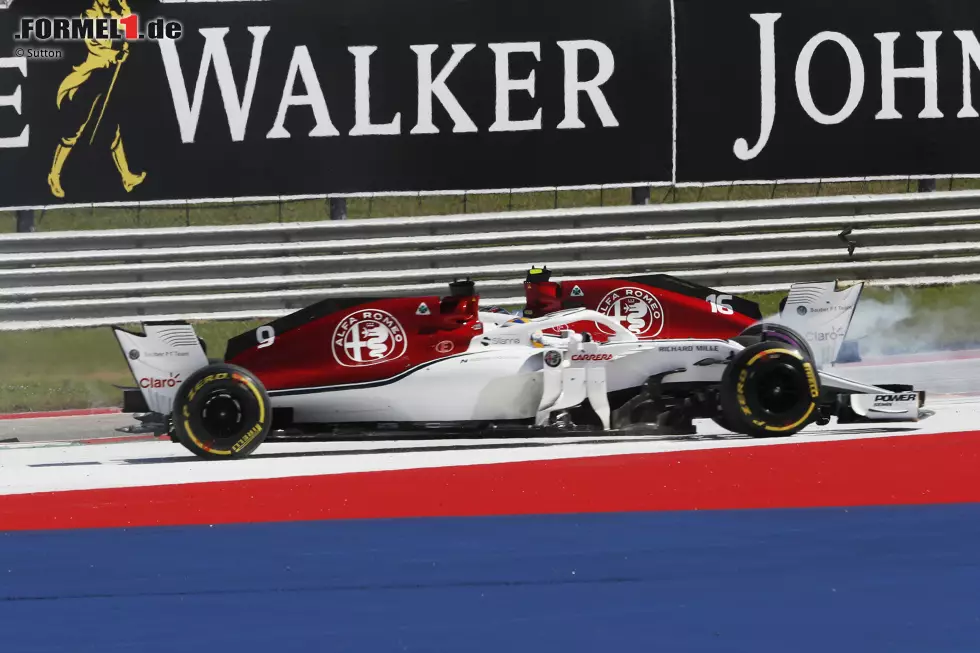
(592, 357)
(891, 398)
(149, 382)
(635, 309)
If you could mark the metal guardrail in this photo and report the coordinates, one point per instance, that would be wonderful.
(257, 271)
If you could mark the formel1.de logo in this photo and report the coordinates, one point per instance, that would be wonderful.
(636, 309)
(368, 338)
(100, 23)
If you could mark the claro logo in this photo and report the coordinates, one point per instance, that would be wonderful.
(150, 382)
(592, 357)
(823, 336)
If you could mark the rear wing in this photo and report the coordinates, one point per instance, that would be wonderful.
(822, 314)
(160, 359)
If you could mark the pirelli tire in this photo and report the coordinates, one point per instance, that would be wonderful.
(769, 390)
(222, 412)
(773, 333)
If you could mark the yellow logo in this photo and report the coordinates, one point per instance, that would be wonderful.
(204, 381)
(88, 91)
(740, 392)
(811, 380)
(241, 444)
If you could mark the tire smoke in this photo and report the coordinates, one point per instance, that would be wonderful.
(900, 323)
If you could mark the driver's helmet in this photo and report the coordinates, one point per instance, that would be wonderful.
(496, 309)
(516, 320)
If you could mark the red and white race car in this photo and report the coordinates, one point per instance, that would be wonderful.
(621, 355)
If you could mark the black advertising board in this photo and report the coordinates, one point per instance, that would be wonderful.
(287, 98)
(826, 89)
(296, 97)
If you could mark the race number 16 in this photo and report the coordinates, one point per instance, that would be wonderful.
(719, 305)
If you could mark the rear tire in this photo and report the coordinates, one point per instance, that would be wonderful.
(222, 412)
(769, 390)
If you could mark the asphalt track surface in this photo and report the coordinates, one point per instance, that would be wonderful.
(857, 538)
(55, 429)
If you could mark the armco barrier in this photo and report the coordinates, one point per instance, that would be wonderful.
(258, 271)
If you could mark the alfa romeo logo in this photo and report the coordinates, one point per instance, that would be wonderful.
(636, 309)
(368, 338)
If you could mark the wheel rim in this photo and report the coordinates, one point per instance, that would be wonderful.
(222, 415)
(778, 392)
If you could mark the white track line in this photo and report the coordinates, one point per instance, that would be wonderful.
(29, 468)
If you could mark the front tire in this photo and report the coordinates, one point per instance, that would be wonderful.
(222, 412)
(769, 390)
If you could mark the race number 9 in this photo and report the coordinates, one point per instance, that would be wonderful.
(719, 305)
(266, 336)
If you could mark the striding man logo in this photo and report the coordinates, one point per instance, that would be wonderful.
(85, 101)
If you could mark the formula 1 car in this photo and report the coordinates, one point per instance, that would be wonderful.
(631, 355)
(821, 312)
